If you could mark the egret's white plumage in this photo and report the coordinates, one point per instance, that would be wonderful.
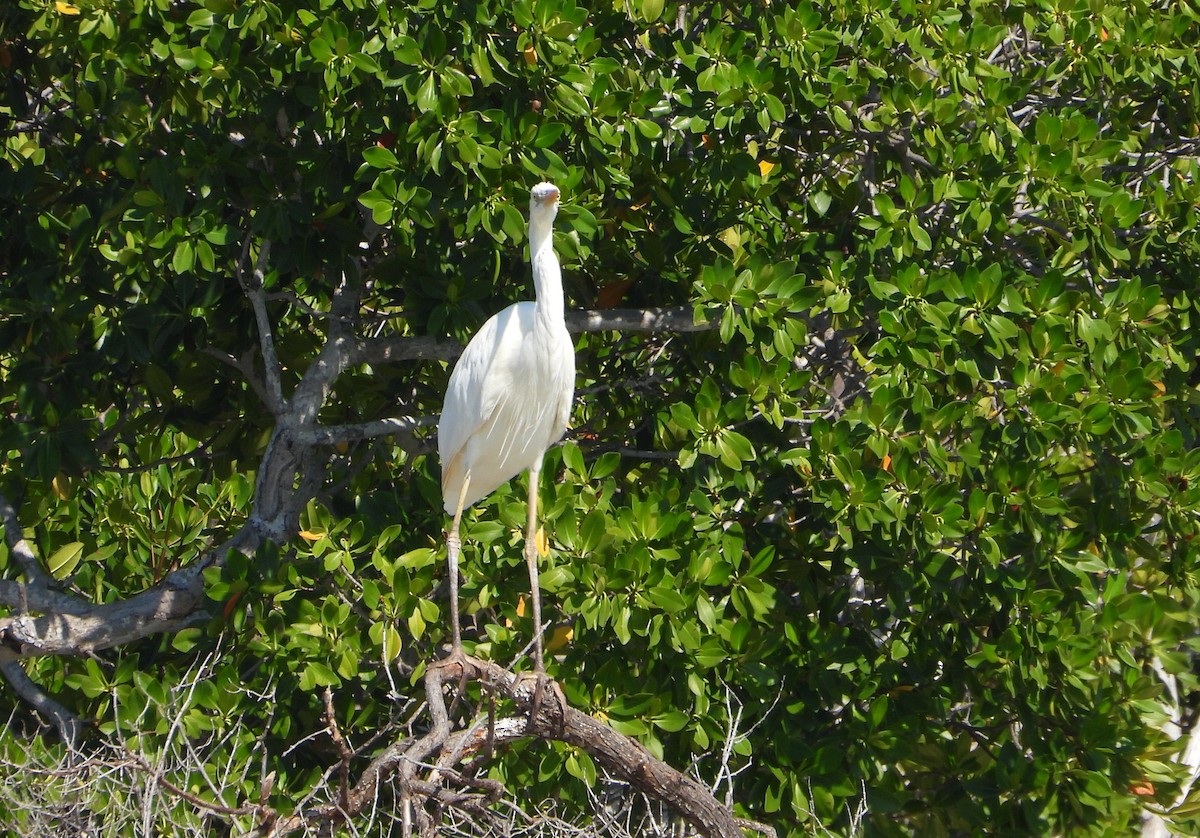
(509, 399)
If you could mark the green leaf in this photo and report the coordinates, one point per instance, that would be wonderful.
(184, 258)
(317, 674)
(427, 94)
(592, 532)
(652, 10)
(365, 63)
(920, 237)
(406, 51)
(320, 50)
(381, 158)
(65, 559)
(672, 722)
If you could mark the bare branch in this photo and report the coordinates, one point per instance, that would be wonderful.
(173, 604)
(332, 435)
(38, 592)
(78, 628)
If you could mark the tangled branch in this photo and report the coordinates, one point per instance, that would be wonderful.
(426, 768)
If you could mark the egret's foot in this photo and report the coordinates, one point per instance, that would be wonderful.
(457, 657)
(541, 682)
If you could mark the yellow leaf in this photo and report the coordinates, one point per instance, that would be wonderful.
(543, 543)
(66, 8)
(765, 167)
(311, 536)
(530, 55)
(62, 486)
(559, 638)
(521, 606)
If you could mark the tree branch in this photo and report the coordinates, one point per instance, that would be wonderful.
(68, 723)
(76, 628)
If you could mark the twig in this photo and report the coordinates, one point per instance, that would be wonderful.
(344, 750)
(266, 340)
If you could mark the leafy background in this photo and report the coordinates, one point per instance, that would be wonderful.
(903, 545)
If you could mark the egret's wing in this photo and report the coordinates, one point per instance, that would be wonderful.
(480, 382)
(463, 409)
(566, 366)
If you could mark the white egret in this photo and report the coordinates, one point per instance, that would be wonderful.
(508, 400)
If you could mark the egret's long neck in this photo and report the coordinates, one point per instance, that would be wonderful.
(547, 276)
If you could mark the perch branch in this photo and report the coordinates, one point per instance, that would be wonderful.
(332, 435)
(411, 348)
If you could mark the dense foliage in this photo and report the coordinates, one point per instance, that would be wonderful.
(906, 539)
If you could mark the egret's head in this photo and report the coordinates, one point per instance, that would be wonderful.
(543, 200)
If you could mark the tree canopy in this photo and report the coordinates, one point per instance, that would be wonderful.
(878, 510)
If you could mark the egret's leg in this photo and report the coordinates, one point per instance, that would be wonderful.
(531, 558)
(453, 547)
